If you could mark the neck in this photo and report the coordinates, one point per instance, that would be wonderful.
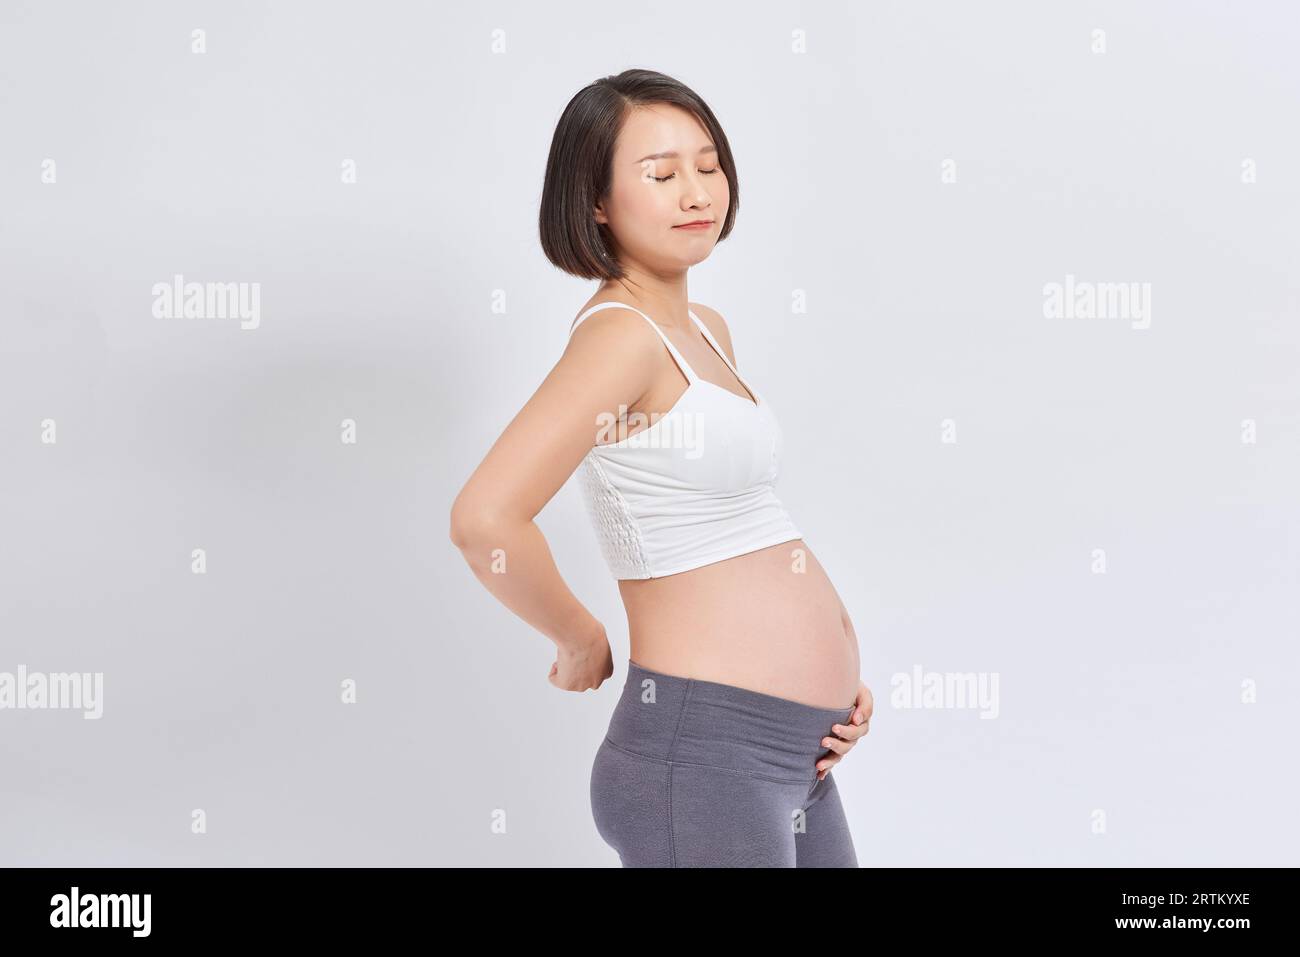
(663, 296)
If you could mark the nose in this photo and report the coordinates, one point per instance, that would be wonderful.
(696, 196)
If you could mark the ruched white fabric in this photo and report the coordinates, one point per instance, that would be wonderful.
(696, 486)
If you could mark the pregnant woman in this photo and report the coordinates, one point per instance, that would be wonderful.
(742, 687)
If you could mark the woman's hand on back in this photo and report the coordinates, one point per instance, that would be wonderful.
(583, 665)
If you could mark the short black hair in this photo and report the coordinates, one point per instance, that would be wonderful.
(580, 166)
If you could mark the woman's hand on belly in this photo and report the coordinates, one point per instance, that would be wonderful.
(846, 736)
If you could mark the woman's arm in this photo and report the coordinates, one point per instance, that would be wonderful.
(608, 364)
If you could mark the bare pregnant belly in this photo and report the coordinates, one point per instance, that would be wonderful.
(768, 621)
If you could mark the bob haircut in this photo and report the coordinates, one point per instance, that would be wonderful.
(579, 168)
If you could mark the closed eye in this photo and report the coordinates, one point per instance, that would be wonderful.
(664, 179)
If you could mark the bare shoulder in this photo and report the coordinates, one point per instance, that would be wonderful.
(616, 334)
(716, 325)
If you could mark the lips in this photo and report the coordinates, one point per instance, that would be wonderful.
(698, 222)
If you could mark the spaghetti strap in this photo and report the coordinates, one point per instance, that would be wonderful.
(677, 356)
(714, 343)
(719, 350)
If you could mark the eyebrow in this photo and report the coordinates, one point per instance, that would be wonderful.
(672, 154)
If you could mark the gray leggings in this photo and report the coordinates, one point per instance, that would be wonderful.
(700, 774)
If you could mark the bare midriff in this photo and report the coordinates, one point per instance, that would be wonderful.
(768, 620)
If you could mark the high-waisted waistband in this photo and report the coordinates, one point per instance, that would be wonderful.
(691, 721)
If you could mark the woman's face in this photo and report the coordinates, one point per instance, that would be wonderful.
(666, 174)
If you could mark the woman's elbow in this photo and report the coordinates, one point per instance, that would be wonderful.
(465, 524)
(471, 522)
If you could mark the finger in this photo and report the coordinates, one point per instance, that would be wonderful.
(865, 705)
(838, 745)
(850, 732)
(826, 764)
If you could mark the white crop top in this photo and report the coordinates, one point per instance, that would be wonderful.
(695, 485)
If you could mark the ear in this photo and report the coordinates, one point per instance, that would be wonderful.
(599, 213)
